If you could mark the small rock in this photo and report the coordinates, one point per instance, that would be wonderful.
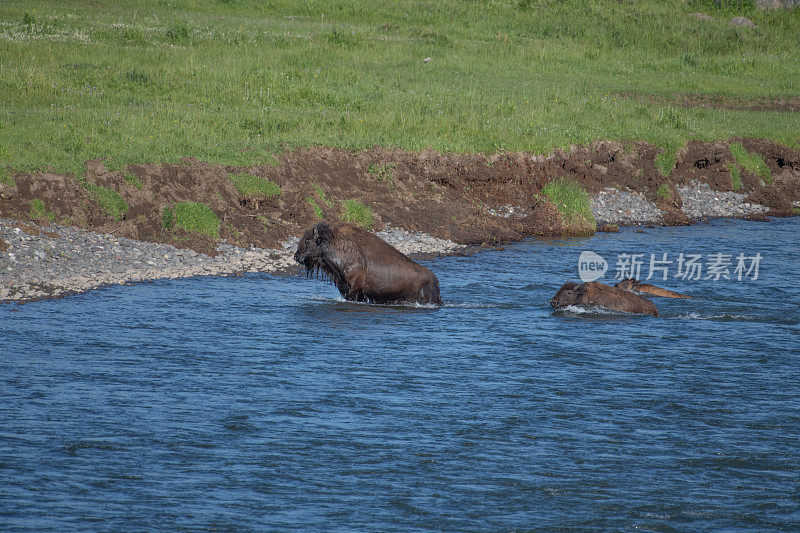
(742, 21)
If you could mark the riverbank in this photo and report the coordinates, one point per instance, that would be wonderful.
(52, 260)
(63, 233)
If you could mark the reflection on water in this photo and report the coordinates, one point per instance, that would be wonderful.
(261, 402)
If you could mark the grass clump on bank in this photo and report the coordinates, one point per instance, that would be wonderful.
(321, 194)
(253, 186)
(5, 177)
(665, 161)
(572, 202)
(109, 199)
(133, 180)
(736, 176)
(354, 212)
(191, 216)
(751, 162)
(317, 209)
(310, 200)
(40, 212)
(383, 172)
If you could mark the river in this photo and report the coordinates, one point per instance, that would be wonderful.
(266, 403)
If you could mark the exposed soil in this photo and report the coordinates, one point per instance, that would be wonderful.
(784, 105)
(452, 196)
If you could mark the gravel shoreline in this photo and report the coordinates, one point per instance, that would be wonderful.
(612, 206)
(41, 262)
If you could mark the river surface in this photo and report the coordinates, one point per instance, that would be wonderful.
(267, 403)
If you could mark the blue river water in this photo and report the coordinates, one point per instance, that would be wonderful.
(266, 403)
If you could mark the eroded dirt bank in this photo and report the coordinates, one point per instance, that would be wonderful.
(467, 198)
(57, 236)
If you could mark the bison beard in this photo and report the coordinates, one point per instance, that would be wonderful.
(365, 268)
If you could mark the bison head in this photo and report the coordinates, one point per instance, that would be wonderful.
(310, 249)
(627, 284)
(566, 295)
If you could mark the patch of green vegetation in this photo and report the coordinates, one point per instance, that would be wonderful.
(196, 217)
(39, 211)
(271, 160)
(628, 147)
(321, 194)
(5, 177)
(109, 199)
(357, 213)
(250, 185)
(724, 7)
(751, 162)
(572, 201)
(317, 210)
(736, 175)
(664, 191)
(515, 75)
(383, 172)
(167, 218)
(665, 161)
(133, 180)
(178, 31)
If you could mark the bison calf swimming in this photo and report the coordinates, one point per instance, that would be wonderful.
(595, 294)
(364, 267)
(634, 285)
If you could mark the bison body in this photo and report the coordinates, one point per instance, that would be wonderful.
(634, 285)
(364, 267)
(595, 294)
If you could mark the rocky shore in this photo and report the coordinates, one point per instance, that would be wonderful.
(698, 201)
(55, 260)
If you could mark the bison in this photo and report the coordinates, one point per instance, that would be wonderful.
(636, 286)
(364, 267)
(595, 294)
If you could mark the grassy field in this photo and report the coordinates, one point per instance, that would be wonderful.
(236, 81)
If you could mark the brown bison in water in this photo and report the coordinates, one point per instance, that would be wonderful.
(634, 285)
(595, 294)
(364, 267)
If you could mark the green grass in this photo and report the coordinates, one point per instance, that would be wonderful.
(167, 218)
(321, 194)
(572, 201)
(40, 212)
(250, 185)
(196, 217)
(383, 172)
(354, 212)
(751, 162)
(141, 82)
(109, 199)
(133, 180)
(736, 175)
(317, 209)
(665, 161)
(664, 191)
(5, 177)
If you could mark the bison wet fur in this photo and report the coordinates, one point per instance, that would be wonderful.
(634, 285)
(364, 267)
(596, 294)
